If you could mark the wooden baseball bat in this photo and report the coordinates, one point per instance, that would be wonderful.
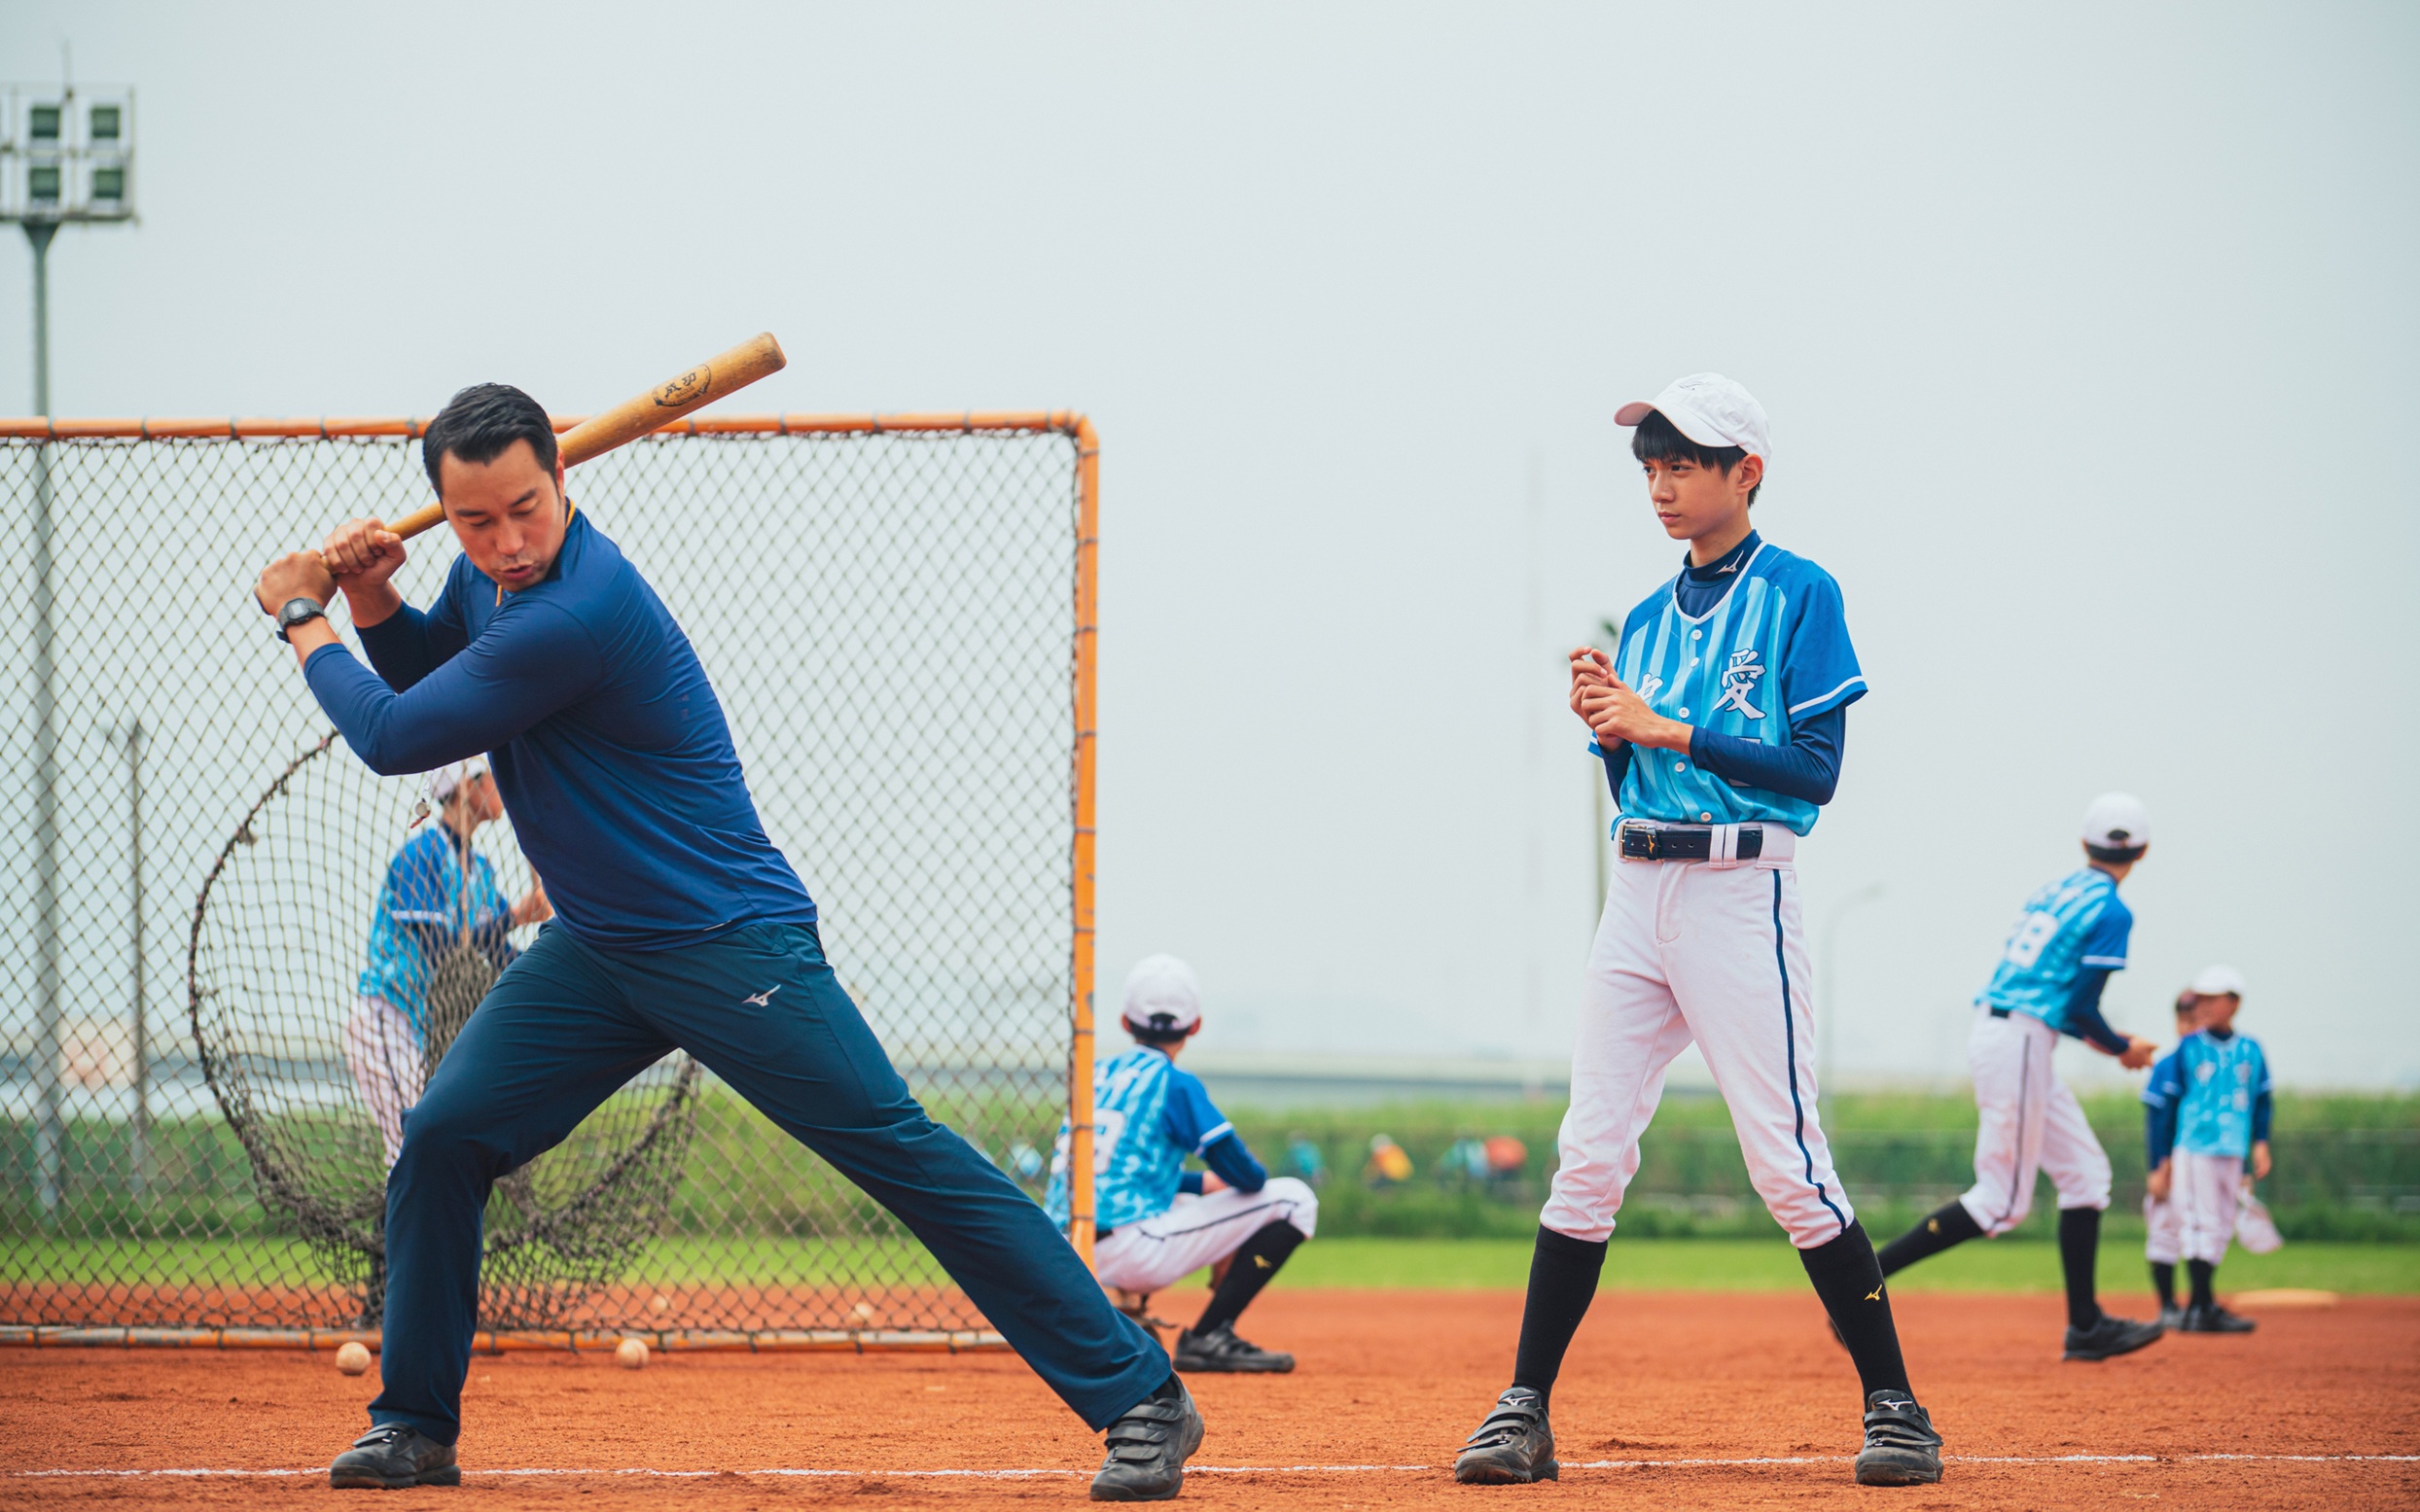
(652, 411)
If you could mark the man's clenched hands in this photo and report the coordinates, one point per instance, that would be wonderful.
(1614, 711)
(361, 555)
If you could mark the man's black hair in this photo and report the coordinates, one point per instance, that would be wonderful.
(481, 422)
(1658, 440)
(1162, 1032)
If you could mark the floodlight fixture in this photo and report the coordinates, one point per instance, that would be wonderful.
(66, 153)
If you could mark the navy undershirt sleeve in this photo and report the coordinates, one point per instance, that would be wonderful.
(2261, 1106)
(1189, 1181)
(1234, 1164)
(2158, 1132)
(1617, 767)
(2083, 1012)
(1806, 767)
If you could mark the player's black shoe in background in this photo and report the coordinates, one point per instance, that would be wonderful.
(391, 1456)
(1513, 1447)
(1901, 1449)
(2210, 1318)
(2172, 1317)
(2111, 1336)
(1219, 1350)
(1148, 1447)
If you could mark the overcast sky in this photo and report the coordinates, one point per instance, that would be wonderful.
(2087, 332)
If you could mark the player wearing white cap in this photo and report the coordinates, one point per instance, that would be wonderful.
(438, 896)
(1157, 1222)
(1720, 718)
(2071, 937)
(2206, 1129)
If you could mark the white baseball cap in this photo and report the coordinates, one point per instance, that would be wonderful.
(2218, 981)
(1162, 994)
(1709, 409)
(2116, 822)
(442, 784)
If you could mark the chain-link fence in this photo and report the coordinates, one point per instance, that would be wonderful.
(197, 1098)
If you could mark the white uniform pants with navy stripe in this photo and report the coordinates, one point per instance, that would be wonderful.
(2163, 1231)
(1198, 1231)
(2204, 1190)
(1711, 953)
(2030, 1124)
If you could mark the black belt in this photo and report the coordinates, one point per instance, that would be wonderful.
(1640, 843)
(2000, 1012)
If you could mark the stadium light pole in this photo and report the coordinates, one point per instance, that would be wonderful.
(59, 165)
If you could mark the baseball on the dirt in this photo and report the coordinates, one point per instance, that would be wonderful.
(353, 1357)
(633, 1354)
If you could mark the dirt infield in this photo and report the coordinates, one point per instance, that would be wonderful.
(2309, 1412)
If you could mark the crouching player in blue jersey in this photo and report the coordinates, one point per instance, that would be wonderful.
(1160, 1222)
(678, 926)
(2071, 937)
(2206, 1124)
(1720, 718)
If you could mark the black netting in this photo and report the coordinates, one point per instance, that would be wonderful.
(191, 1100)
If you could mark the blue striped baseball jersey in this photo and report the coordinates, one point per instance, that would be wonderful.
(2222, 1081)
(2075, 924)
(1148, 1115)
(1771, 653)
(429, 901)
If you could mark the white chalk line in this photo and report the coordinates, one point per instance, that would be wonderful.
(1747, 1462)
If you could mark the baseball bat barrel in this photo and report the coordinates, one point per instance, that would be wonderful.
(657, 408)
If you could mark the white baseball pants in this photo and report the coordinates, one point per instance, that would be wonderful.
(2204, 1194)
(2162, 1231)
(2030, 1124)
(1198, 1231)
(1710, 952)
(382, 1051)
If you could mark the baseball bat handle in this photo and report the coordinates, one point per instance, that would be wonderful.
(758, 357)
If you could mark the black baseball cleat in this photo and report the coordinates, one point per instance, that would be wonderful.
(2210, 1318)
(1513, 1447)
(2111, 1335)
(1901, 1447)
(391, 1456)
(1148, 1447)
(2171, 1315)
(1219, 1350)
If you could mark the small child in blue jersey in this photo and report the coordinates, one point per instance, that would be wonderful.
(1158, 1222)
(2207, 1122)
(2046, 986)
(2160, 1234)
(439, 897)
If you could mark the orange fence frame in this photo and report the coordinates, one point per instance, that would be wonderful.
(1081, 780)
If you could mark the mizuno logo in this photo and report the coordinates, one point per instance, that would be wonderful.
(1875, 1295)
(1932, 1226)
(764, 999)
(1260, 1261)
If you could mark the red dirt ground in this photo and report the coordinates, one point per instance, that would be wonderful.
(1387, 1380)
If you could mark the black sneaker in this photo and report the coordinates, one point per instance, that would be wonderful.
(1148, 1447)
(2171, 1315)
(1219, 1350)
(2210, 1318)
(1901, 1447)
(2111, 1335)
(1513, 1447)
(391, 1456)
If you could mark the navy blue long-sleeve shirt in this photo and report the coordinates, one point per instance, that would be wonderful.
(608, 744)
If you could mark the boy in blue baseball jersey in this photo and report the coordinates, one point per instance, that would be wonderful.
(1720, 719)
(1160, 1222)
(438, 896)
(2160, 1234)
(2048, 983)
(2206, 1121)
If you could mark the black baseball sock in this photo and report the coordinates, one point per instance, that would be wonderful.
(1948, 1225)
(2202, 1272)
(1562, 1282)
(1247, 1273)
(2080, 1249)
(2164, 1282)
(1849, 1279)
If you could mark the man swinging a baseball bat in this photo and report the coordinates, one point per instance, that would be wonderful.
(678, 924)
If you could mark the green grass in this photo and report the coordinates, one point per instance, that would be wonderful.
(1771, 1265)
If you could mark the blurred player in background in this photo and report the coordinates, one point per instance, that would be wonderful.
(2208, 1122)
(1720, 719)
(2159, 1215)
(438, 896)
(1160, 1222)
(2071, 937)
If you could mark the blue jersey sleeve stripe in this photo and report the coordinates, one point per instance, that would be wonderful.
(1213, 1136)
(1857, 682)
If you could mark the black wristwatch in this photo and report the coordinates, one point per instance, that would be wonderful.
(299, 611)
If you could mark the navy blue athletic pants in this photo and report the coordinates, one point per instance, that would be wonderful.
(568, 1023)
